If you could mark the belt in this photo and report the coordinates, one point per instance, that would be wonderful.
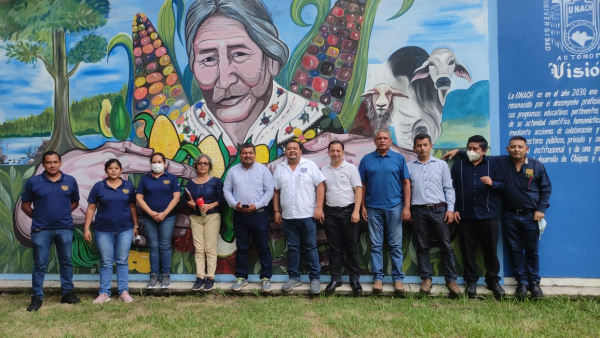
(341, 208)
(251, 213)
(429, 206)
(521, 211)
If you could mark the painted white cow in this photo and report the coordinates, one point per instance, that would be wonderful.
(426, 80)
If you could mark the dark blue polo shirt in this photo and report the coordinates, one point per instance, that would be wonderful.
(475, 200)
(113, 212)
(158, 192)
(528, 188)
(383, 176)
(212, 191)
(51, 201)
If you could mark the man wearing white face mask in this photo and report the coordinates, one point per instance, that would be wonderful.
(478, 182)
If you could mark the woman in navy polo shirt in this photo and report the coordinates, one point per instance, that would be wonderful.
(206, 194)
(158, 194)
(114, 228)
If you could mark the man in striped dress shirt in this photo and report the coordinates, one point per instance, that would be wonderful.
(432, 208)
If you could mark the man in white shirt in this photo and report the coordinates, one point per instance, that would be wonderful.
(343, 197)
(298, 205)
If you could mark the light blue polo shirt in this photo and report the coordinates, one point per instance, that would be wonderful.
(382, 178)
(51, 201)
(113, 212)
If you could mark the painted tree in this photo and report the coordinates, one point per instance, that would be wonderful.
(37, 30)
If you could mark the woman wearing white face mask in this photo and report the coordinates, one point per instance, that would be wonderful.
(158, 194)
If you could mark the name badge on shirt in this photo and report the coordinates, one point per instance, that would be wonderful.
(529, 172)
(303, 170)
(167, 181)
(126, 191)
(64, 187)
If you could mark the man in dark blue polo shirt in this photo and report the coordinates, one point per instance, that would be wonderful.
(524, 202)
(386, 203)
(49, 199)
(478, 183)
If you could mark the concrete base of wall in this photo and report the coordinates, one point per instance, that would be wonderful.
(183, 288)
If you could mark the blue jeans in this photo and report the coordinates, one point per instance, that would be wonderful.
(159, 240)
(114, 249)
(386, 223)
(252, 228)
(42, 241)
(522, 234)
(302, 231)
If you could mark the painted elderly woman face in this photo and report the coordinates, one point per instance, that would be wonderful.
(230, 68)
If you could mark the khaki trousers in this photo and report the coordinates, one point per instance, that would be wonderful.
(205, 231)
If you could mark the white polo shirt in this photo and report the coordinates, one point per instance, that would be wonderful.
(298, 188)
(340, 183)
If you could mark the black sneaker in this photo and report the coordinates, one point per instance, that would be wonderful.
(471, 290)
(36, 303)
(70, 298)
(198, 285)
(153, 281)
(521, 290)
(209, 284)
(497, 290)
(536, 291)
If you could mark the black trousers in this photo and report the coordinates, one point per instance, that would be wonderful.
(486, 232)
(424, 221)
(342, 236)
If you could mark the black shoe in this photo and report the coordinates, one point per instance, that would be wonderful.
(209, 284)
(521, 290)
(36, 303)
(70, 298)
(198, 285)
(356, 287)
(497, 290)
(330, 289)
(471, 290)
(536, 291)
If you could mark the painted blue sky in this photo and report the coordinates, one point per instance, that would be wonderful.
(457, 24)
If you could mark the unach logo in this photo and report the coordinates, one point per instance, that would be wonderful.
(579, 25)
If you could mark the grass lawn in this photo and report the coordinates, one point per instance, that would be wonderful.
(214, 315)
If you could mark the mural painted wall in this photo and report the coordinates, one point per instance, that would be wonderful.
(113, 79)
(551, 98)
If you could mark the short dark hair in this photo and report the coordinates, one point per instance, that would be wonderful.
(517, 138)
(335, 142)
(50, 153)
(111, 161)
(483, 144)
(158, 154)
(421, 137)
(294, 141)
(247, 145)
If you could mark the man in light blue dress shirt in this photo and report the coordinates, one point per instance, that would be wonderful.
(248, 189)
(432, 208)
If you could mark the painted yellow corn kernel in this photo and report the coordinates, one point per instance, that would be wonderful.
(163, 137)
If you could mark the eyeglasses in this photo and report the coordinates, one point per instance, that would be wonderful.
(203, 164)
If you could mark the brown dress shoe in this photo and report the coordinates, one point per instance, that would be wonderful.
(426, 286)
(377, 286)
(453, 288)
(399, 287)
